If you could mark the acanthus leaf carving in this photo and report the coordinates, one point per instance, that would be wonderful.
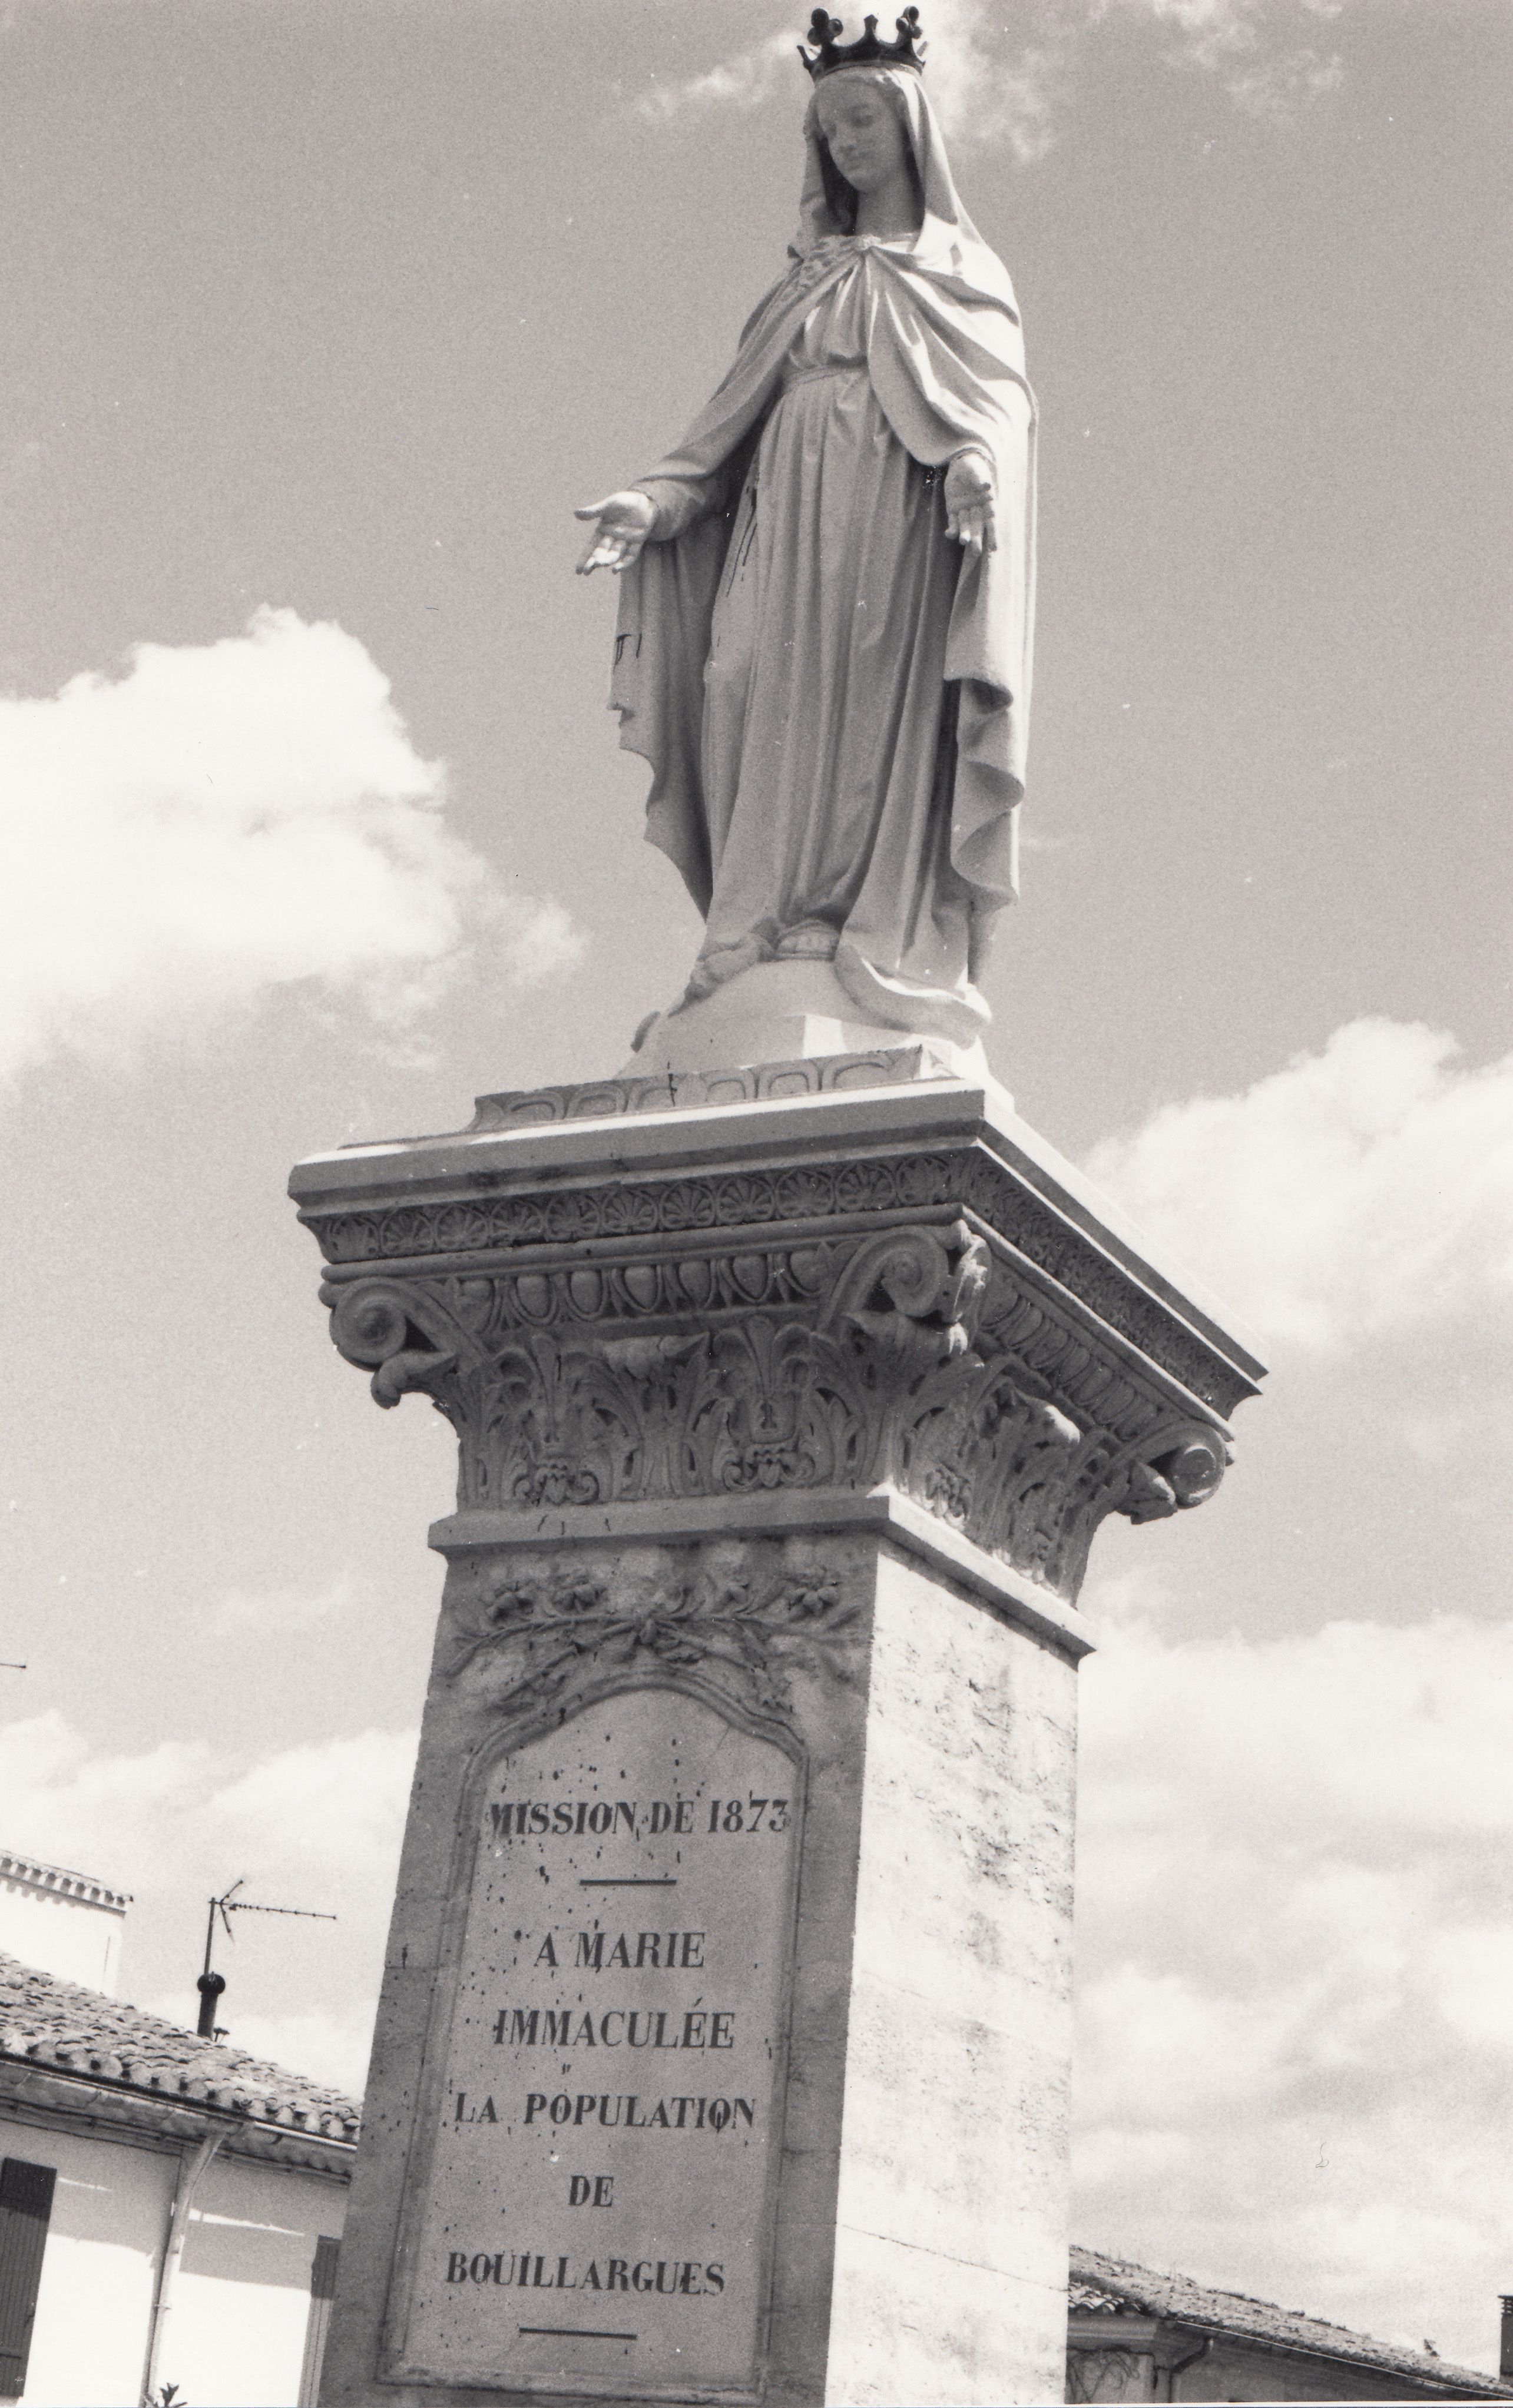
(811, 1192)
(778, 1408)
(909, 1358)
(571, 1429)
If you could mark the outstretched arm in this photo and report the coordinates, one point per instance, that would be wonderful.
(623, 521)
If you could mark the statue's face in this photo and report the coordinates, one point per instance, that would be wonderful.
(863, 130)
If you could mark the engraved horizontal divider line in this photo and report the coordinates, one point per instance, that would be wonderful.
(576, 2333)
(1124, 1307)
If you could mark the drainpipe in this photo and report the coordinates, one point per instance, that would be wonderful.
(1175, 2366)
(190, 2170)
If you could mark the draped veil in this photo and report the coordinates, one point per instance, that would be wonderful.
(944, 355)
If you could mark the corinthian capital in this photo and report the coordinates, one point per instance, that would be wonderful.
(778, 1302)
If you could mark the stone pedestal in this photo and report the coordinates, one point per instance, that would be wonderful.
(775, 1012)
(724, 2039)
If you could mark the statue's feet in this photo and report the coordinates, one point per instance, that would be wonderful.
(785, 1011)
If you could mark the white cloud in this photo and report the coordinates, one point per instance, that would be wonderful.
(1395, 1731)
(1279, 88)
(1363, 1191)
(993, 87)
(743, 81)
(1295, 1960)
(315, 1826)
(343, 1798)
(350, 1792)
(223, 820)
(60, 1799)
(1472, 1969)
(1244, 43)
(1209, 31)
(542, 942)
(987, 93)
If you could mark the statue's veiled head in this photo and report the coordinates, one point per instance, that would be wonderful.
(860, 116)
(859, 122)
(867, 117)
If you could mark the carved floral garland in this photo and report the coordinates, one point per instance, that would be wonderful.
(573, 1628)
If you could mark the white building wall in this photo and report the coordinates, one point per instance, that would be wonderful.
(110, 2214)
(63, 1922)
(235, 2333)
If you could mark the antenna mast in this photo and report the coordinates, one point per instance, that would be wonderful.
(212, 1986)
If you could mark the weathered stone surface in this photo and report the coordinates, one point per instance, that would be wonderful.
(959, 2043)
(593, 2195)
(775, 1011)
(741, 1693)
(912, 2094)
(781, 1296)
(775, 1074)
(784, 1426)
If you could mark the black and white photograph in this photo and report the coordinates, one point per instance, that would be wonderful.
(756, 1066)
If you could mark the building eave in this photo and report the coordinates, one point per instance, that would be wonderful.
(151, 2117)
(1142, 2331)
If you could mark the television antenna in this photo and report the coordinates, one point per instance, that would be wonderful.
(212, 1986)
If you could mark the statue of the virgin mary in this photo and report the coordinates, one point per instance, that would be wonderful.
(825, 624)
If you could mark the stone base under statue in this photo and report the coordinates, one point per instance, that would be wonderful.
(724, 2045)
(782, 1012)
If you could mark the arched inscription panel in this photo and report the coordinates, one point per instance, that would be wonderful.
(596, 2209)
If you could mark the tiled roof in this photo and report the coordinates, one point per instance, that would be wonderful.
(1106, 2286)
(62, 2026)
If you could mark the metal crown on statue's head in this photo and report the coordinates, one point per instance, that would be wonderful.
(828, 54)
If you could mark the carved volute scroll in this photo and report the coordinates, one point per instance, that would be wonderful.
(686, 1349)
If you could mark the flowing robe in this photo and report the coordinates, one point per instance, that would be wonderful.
(832, 694)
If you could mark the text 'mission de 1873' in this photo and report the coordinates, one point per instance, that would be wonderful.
(596, 2213)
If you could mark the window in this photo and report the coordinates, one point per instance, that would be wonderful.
(323, 2285)
(25, 2205)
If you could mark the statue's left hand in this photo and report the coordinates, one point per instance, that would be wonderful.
(623, 521)
(969, 502)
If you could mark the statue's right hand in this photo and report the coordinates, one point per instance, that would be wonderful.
(623, 521)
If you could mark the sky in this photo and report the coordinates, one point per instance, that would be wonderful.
(323, 316)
